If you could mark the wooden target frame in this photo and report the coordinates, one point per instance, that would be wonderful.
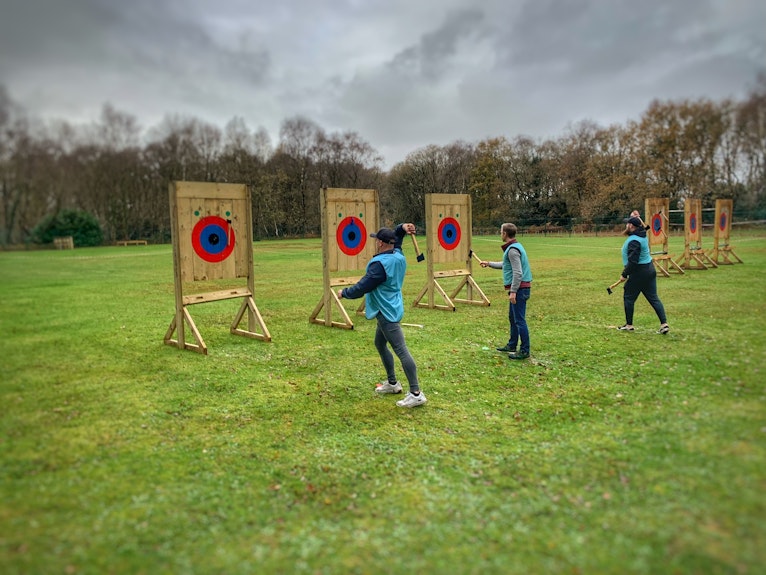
(724, 210)
(449, 227)
(212, 233)
(657, 210)
(349, 216)
(694, 257)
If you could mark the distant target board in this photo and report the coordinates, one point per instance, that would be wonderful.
(693, 220)
(349, 217)
(210, 230)
(723, 210)
(657, 210)
(448, 226)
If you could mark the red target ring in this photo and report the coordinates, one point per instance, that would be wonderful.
(213, 239)
(449, 233)
(351, 236)
(656, 224)
(693, 223)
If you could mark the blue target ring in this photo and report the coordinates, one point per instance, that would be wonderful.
(351, 236)
(449, 233)
(213, 239)
(656, 224)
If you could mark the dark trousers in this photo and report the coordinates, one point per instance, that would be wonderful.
(517, 317)
(643, 281)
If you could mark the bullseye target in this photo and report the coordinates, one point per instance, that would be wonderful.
(723, 220)
(213, 239)
(449, 233)
(693, 223)
(656, 224)
(351, 235)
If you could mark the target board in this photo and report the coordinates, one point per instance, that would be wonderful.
(448, 235)
(694, 257)
(723, 209)
(657, 210)
(448, 224)
(693, 221)
(211, 226)
(212, 230)
(349, 216)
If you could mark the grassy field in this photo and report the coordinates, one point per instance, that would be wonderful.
(606, 452)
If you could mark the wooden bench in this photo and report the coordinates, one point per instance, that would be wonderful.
(132, 243)
(63, 243)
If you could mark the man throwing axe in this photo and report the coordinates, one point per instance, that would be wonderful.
(639, 273)
(382, 287)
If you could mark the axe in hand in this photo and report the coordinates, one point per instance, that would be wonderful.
(614, 285)
(418, 253)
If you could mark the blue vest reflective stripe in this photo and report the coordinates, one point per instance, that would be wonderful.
(526, 271)
(387, 297)
(645, 256)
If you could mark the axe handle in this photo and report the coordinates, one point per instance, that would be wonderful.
(415, 244)
(473, 254)
(615, 284)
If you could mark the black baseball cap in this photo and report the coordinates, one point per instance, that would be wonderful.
(385, 235)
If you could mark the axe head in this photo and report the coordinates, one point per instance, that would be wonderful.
(609, 290)
(421, 257)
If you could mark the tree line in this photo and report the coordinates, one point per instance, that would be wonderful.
(119, 174)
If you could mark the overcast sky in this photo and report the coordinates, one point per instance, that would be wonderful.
(403, 74)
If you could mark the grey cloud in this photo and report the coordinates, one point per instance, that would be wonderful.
(400, 73)
(430, 58)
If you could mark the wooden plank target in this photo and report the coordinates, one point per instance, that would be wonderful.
(693, 221)
(211, 230)
(657, 210)
(722, 230)
(212, 233)
(449, 228)
(349, 216)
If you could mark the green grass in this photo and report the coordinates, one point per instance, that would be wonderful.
(607, 452)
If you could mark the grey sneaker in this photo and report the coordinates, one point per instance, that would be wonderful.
(412, 400)
(385, 387)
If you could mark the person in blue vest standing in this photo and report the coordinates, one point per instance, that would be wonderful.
(382, 287)
(639, 274)
(517, 280)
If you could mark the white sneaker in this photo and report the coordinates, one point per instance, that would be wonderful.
(412, 400)
(385, 387)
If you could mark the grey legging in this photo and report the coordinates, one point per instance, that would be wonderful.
(390, 332)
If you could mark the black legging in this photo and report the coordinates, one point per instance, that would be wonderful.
(643, 281)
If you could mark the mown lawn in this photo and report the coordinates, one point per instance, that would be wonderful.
(606, 452)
